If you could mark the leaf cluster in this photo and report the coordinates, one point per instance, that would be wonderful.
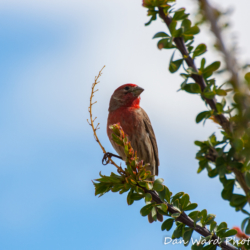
(229, 158)
(135, 181)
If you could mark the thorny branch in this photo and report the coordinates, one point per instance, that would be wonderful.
(185, 219)
(91, 123)
(222, 120)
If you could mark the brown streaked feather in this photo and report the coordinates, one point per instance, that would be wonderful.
(136, 124)
(151, 133)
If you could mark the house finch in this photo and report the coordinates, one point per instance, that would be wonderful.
(240, 234)
(124, 107)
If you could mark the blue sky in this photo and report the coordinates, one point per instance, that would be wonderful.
(50, 52)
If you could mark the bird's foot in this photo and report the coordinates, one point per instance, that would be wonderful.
(105, 159)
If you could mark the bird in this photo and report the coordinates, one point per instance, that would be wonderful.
(124, 108)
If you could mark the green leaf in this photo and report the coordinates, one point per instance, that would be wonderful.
(226, 194)
(102, 188)
(172, 27)
(148, 197)
(247, 231)
(160, 34)
(139, 190)
(220, 92)
(192, 88)
(213, 224)
(187, 235)
(180, 14)
(190, 206)
(238, 200)
(117, 187)
(117, 140)
(192, 71)
(136, 197)
(219, 108)
(243, 223)
(247, 178)
(203, 214)
(210, 247)
(202, 115)
(164, 207)
(186, 24)
(175, 65)
(209, 219)
(146, 209)
(175, 215)
(190, 49)
(162, 194)
(130, 201)
(198, 143)
(167, 194)
(199, 50)
(209, 95)
(213, 173)
(245, 212)
(193, 215)
(177, 196)
(183, 84)
(223, 225)
(184, 201)
(159, 180)
(149, 186)
(185, 76)
(157, 186)
(178, 231)
(211, 68)
(167, 224)
(192, 31)
(151, 19)
(203, 62)
(154, 213)
(202, 165)
(221, 162)
(197, 247)
(238, 144)
(165, 43)
(230, 232)
(247, 77)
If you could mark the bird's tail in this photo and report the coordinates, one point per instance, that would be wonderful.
(159, 217)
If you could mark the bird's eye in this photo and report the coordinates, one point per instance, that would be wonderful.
(126, 88)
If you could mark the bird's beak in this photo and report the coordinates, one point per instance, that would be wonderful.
(137, 91)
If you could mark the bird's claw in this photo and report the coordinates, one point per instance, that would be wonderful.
(107, 156)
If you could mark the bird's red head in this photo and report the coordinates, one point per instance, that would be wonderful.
(127, 95)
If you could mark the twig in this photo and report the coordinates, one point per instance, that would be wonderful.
(222, 120)
(91, 123)
(185, 219)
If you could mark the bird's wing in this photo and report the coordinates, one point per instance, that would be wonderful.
(151, 134)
